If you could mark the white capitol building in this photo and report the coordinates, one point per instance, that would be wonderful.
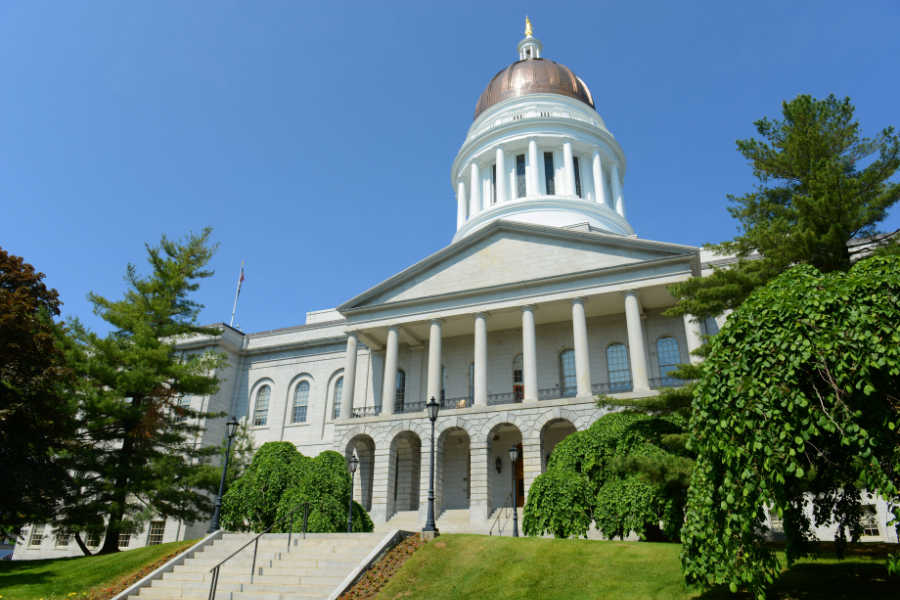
(544, 297)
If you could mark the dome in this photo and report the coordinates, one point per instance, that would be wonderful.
(533, 76)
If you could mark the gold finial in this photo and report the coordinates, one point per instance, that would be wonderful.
(528, 30)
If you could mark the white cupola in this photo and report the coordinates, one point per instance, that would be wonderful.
(538, 152)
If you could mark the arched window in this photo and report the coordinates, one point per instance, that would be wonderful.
(400, 390)
(619, 370)
(301, 401)
(518, 382)
(668, 356)
(261, 408)
(567, 384)
(336, 400)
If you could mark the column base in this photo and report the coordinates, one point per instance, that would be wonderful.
(427, 536)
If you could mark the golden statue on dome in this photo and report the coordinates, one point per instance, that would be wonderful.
(528, 31)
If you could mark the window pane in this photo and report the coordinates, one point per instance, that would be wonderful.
(567, 373)
(669, 357)
(261, 413)
(336, 400)
(157, 528)
(471, 380)
(619, 371)
(549, 173)
(400, 389)
(124, 540)
(62, 539)
(577, 176)
(520, 176)
(301, 401)
(93, 540)
(518, 385)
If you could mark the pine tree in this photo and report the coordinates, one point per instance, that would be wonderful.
(136, 455)
(820, 185)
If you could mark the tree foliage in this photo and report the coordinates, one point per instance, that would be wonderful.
(798, 404)
(280, 481)
(820, 185)
(35, 407)
(135, 454)
(597, 476)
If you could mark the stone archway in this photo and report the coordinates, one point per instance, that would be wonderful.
(404, 469)
(364, 446)
(452, 470)
(552, 433)
(500, 439)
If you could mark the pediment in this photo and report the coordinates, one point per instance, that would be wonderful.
(506, 253)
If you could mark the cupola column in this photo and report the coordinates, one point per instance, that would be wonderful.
(501, 177)
(599, 185)
(460, 203)
(475, 190)
(618, 196)
(532, 187)
(569, 165)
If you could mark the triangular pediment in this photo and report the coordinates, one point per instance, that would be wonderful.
(513, 253)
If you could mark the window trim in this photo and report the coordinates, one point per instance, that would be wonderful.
(337, 394)
(258, 388)
(293, 406)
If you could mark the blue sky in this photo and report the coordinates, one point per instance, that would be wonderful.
(316, 138)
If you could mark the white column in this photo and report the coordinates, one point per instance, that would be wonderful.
(349, 377)
(501, 177)
(599, 185)
(582, 357)
(569, 167)
(434, 361)
(636, 353)
(694, 337)
(532, 187)
(618, 195)
(529, 355)
(389, 386)
(480, 360)
(475, 190)
(460, 203)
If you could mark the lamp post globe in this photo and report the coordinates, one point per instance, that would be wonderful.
(513, 457)
(230, 431)
(431, 407)
(353, 464)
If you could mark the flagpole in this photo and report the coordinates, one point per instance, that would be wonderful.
(237, 293)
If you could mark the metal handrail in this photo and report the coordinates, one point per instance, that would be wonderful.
(214, 580)
(504, 510)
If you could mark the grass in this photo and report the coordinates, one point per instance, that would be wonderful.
(64, 577)
(470, 566)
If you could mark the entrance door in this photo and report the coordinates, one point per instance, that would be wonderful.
(520, 479)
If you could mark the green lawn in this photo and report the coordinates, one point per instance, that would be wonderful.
(472, 566)
(58, 577)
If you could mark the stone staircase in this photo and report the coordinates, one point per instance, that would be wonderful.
(405, 520)
(313, 569)
(504, 525)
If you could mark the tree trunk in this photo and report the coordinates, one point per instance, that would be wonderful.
(114, 524)
(81, 545)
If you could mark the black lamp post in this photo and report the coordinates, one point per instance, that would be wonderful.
(230, 429)
(431, 407)
(513, 457)
(354, 462)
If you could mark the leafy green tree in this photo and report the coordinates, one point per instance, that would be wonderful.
(135, 454)
(599, 475)
(36, 409)
(820, 185)
(280, 481)
(797, 404)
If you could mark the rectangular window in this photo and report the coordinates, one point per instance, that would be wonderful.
(182, 404)
(869, 520)
(37, 535)
(520, 176)
(124, 540)
(577, 169)
(62, 539)
(156, 533)
(93, 540)
(549, 173)
(493, 184)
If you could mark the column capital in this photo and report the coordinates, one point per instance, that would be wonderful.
(436, 321)
(481, 313)
(529, 307)
(579, 300)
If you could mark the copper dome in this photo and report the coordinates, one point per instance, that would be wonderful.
(533, 76)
